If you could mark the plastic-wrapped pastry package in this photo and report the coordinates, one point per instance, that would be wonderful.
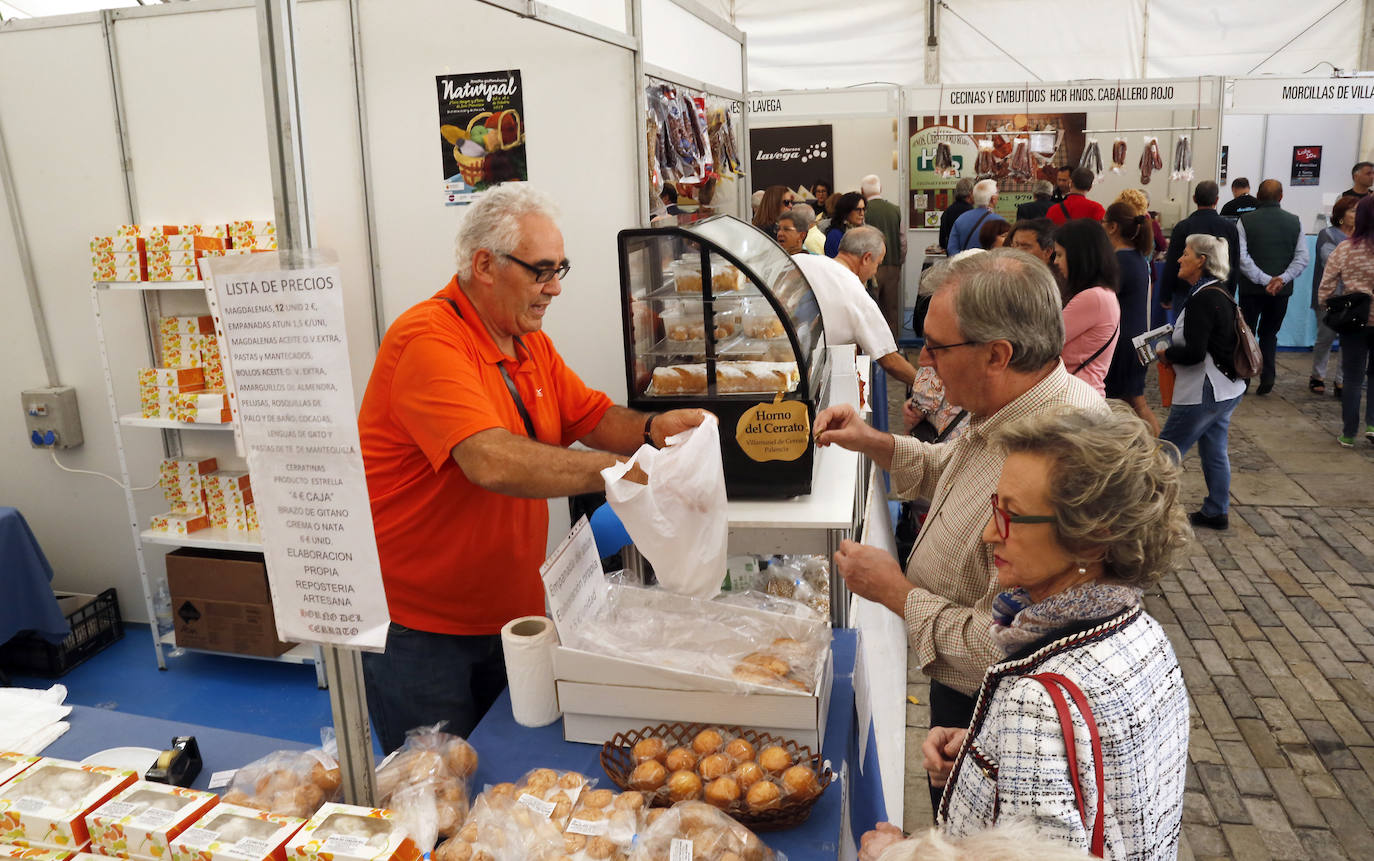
(287, 782)
(708, 637)
(711, 835)
(547, 814)
(429, 775)
(801, 578)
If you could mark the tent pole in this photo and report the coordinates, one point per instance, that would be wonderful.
(932, 71)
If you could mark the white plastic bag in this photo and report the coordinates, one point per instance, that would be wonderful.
(678, 519)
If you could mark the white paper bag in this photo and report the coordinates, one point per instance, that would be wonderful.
(678, 519)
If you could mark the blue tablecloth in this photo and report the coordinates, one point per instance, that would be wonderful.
(508, 751)
(26, 578)
(94, 730)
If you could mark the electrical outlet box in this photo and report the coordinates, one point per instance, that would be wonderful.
(51, 417)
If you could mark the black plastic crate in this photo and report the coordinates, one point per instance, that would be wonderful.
(95, 625)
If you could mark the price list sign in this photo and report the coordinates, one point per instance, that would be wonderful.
(282, 328)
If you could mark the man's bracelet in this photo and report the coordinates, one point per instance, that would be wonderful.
(648, 434)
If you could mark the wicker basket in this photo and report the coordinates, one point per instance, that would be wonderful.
(618, 761)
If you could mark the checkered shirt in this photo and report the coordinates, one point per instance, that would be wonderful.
(949, 613)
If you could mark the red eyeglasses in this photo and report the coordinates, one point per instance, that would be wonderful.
(1004, 519)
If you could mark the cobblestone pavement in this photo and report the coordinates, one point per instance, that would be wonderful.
(1273, 624)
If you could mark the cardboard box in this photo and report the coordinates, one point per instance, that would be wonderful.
(198, 325)
(206, 416)
(343, 832)
(141, 821)
(103, 272)
(229, 832)
(601, 695)
(117, 259)
(178, 242)
(188, 466)
(201, 401)
(122, 244)
(172, 258)
(264, 228)
(255, 242)
(221, 602)
(13, 764)
(45, 807)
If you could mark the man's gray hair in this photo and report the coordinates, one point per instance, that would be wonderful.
(1011, 840)
(1008, 295)
(1042, 188)
(871, 186)
(803, 216)
(984, 191)
(963, 188)
(859, 241)
(493, 222)
(1215, 252)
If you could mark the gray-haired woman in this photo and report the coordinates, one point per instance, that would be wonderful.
(1206, 388)
(1084, 519)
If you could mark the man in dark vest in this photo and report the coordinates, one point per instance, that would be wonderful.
(1205, 220)
(1273, 252)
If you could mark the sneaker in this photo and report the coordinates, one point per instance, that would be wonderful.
(1211, 521)
(1346, 441)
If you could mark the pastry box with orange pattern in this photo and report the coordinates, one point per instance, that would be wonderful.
(230, 832)
(343, 832)
(45, 807)
(141, 821)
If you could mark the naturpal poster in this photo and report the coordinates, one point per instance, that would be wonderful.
(481, 132)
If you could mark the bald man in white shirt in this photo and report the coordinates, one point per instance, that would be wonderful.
(850, 314)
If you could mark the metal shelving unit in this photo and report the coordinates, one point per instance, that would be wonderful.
(152, 294)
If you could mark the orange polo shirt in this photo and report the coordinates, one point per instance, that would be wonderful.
(458, 559)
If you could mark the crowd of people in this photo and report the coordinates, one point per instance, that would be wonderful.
(1027, 352)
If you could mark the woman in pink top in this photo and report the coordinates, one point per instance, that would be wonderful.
(1088, 273)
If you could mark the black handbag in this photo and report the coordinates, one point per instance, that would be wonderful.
(1347, 313)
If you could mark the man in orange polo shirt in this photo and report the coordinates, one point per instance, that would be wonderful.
(465, 429)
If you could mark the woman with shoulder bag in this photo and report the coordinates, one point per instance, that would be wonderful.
(1206, 388)
(1088, 276)
(1082, 730)
(1352, 264)
(1130, 236)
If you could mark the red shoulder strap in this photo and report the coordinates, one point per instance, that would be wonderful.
(1053, 683)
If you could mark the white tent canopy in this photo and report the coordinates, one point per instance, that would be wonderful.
(815, 44)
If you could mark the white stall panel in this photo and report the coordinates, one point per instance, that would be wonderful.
(678, 41)
(334, 169)
(581, 150)
(60, 130)
(1243, 135)
(607, 13)
(197, 125)
(1339, 138)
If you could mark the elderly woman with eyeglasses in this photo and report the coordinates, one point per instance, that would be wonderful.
(1085, 518)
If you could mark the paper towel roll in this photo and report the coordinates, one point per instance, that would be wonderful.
(528, 644)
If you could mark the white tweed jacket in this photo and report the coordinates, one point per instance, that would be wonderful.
(1013, 763)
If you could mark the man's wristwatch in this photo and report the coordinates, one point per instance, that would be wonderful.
(648, 433)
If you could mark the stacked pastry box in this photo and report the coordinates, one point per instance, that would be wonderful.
(141, 822)
(183, 483)
(172, 252)
(189, 386)
(45, 806)
(229, 832)
(249, 236)
(229, 496)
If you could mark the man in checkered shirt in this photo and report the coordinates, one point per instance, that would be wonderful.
(993, 333)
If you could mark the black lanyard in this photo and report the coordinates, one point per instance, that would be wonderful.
(510, 384)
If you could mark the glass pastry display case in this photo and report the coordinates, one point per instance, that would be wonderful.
(717, 316)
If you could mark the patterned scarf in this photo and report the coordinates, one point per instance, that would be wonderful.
(1017, 621)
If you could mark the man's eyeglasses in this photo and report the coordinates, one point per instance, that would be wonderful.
(1004, 519)
(932, 347)
(542, 275)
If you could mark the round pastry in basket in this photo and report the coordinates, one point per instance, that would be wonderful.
(761, 780)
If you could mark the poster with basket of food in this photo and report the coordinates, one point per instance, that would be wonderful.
(481, 131)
